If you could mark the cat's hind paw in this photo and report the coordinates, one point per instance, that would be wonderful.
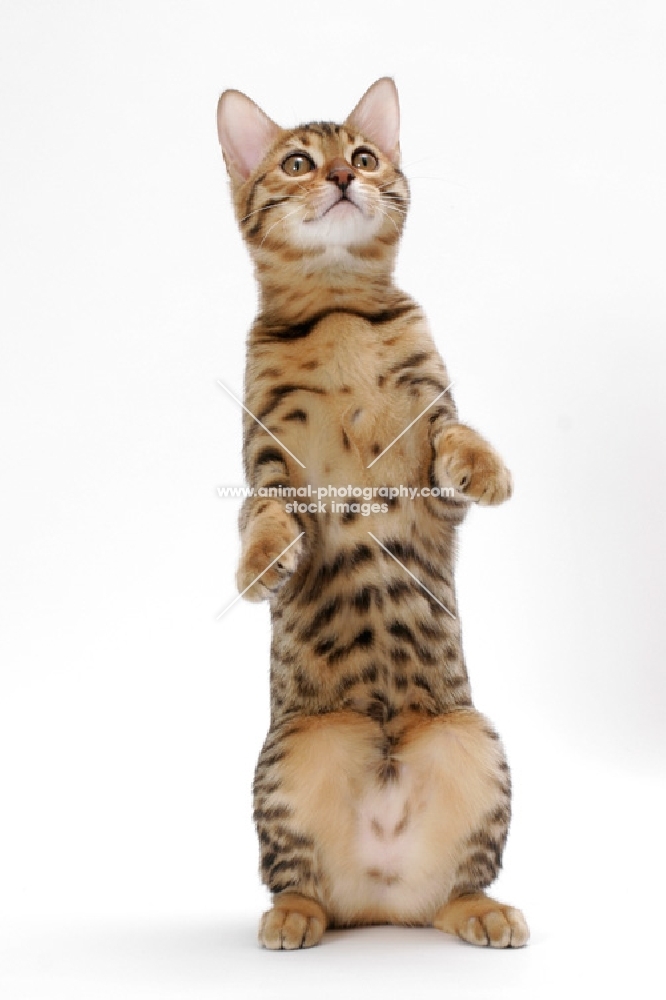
(480, 920)
(294, 922)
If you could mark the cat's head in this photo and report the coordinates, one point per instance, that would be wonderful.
(320, 191)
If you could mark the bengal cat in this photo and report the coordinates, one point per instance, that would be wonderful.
(381, 795)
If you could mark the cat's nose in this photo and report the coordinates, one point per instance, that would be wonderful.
(340, 173)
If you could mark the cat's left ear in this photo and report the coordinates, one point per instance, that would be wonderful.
(377, 116)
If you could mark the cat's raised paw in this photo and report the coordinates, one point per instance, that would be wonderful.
(269, 556)
(480, 920)
(294, 922)
(467, 462)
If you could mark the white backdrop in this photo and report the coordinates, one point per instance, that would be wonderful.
(130, 719)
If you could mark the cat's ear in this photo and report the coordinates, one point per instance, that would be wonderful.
(377, 116)
(245, 132)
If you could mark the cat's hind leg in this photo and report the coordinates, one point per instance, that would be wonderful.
(303, 812)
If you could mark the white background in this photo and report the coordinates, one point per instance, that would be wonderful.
(130, 719)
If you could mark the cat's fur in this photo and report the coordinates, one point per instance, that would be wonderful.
(381, 794)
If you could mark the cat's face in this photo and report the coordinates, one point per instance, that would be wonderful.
(320, 189)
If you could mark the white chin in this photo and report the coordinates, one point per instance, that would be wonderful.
(343, 225)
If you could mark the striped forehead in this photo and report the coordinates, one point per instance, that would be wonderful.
(327, 136)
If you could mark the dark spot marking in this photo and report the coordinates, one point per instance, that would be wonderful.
(362, 599)
(398, 589)
(422, 682)
(275, 812)
(269, 454)
(369, 673)
(322, 617)
(324, 647)
(350, 681)
(362, 553)
(325, 575)
(283, 886)
(364, 639)
(399, 655)
(304, 686)
(439, 411)
(401, 631)
(277, 394)
(414, 359)
(376, 711)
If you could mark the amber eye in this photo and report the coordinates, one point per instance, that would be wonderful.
(363, 159)
(297, 164)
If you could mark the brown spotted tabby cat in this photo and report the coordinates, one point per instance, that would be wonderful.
(381, 794)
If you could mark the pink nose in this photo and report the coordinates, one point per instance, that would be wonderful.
(340, 173)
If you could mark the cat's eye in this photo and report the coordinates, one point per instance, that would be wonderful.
(297, 164)
(364, 159)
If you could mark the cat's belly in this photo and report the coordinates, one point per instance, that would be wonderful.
(395, 867)
(388, 825)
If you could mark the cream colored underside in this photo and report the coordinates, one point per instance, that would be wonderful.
(389, 851)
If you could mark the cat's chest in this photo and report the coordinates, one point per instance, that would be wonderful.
(351, 355)
(354, 409)
(344, 405)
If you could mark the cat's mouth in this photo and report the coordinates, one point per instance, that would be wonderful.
(342, 202)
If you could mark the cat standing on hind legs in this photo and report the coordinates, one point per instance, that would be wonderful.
(381, 795)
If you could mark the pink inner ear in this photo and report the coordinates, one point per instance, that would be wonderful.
(377, 116)
(245, 132)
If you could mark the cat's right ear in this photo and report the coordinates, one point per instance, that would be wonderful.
(245, 132)
(377, 116)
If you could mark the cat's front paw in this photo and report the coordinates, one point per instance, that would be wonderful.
(270, 553)
(468, 463)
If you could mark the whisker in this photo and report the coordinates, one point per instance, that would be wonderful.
(390, 219)
(421, 159)
(425, 177)
(265, 208)
(386, 184)
(389, 203)
(396, 208)
(440, 180)
(282, 219)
